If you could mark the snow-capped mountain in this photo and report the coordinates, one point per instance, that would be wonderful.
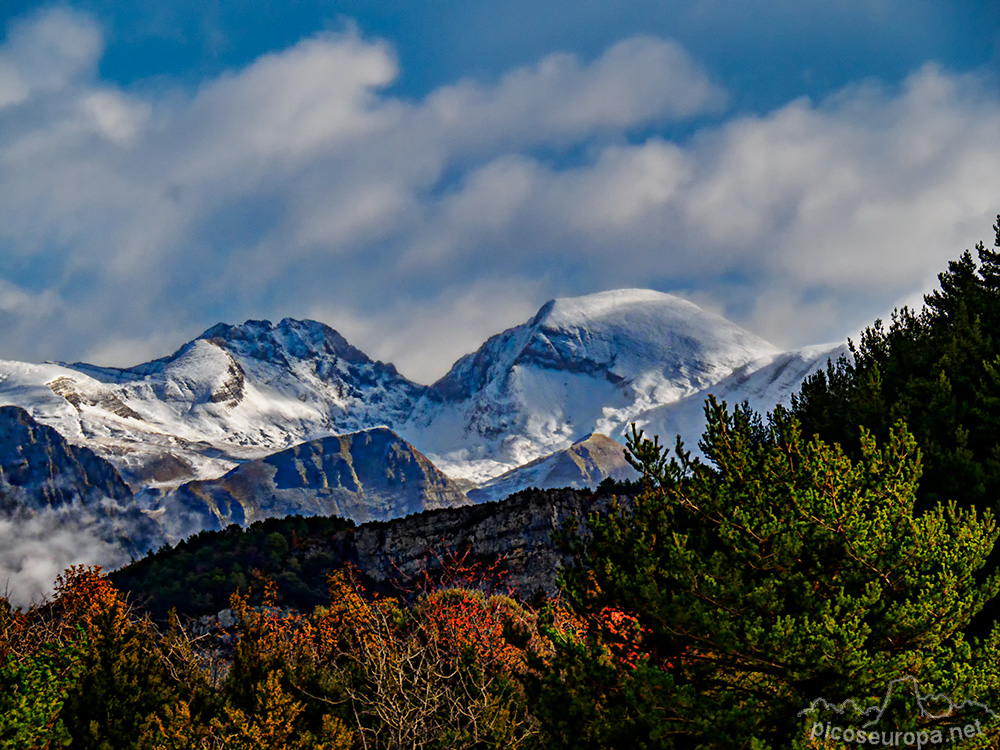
(591, 364)
(763, 384)
(581, 365)
(232, 394)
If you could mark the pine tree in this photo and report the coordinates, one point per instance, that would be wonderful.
(739, 590)
(936, 369)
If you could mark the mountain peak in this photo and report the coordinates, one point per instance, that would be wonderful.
(581, 364)
(625, 331)
(587, 307)
(228, 331)
(634, 309)
(302, 339)
(618, 335)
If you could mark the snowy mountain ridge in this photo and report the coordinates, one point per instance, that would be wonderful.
(233, 394)
(240, 392)
(581, 365)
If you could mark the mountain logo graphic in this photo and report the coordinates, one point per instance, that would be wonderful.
(931, 706)
(908, 718)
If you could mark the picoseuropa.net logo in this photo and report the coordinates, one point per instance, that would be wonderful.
(945, 722)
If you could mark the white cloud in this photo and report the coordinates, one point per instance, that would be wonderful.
(113, 116)
(863, 197)
(300, 184)
(825, 214)
(638, 81)
(16, 300)
(318, 96)
(447, 326)
(47, 53)
(36, 548)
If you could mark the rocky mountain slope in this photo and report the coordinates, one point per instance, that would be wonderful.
(361, 476)
(41, 468)
(41, 471)
(586, 463)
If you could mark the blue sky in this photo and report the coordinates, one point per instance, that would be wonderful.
(422, 175)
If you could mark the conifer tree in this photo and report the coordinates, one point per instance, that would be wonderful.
(738, 591)
(938, 369)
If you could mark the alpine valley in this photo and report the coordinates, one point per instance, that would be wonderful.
(262, 420)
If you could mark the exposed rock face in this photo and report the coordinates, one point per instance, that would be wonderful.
(519, 529)
(504, 546)
(35, 458)
(164, 469)
(319, 358)
(65, 387)
(230, 392)
(363, 476)
(586, 463)
(41, 471)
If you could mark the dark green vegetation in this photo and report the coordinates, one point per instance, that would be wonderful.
(841, 549)
(197, 576)
(511, 540)
(938, 370)
(735, 594)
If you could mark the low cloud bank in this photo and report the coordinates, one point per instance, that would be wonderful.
(37, 545)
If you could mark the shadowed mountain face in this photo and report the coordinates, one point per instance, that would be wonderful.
(586, 463)
(368, 475)
(49, 471)
(42, 473)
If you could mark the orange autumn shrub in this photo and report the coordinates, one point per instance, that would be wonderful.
(623, 635)
(466, 621)
(83, 592)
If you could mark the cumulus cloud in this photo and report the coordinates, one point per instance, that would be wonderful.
(562, 98)
(300, 186)
(806, 222)
(47, 53)
(859, 200)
